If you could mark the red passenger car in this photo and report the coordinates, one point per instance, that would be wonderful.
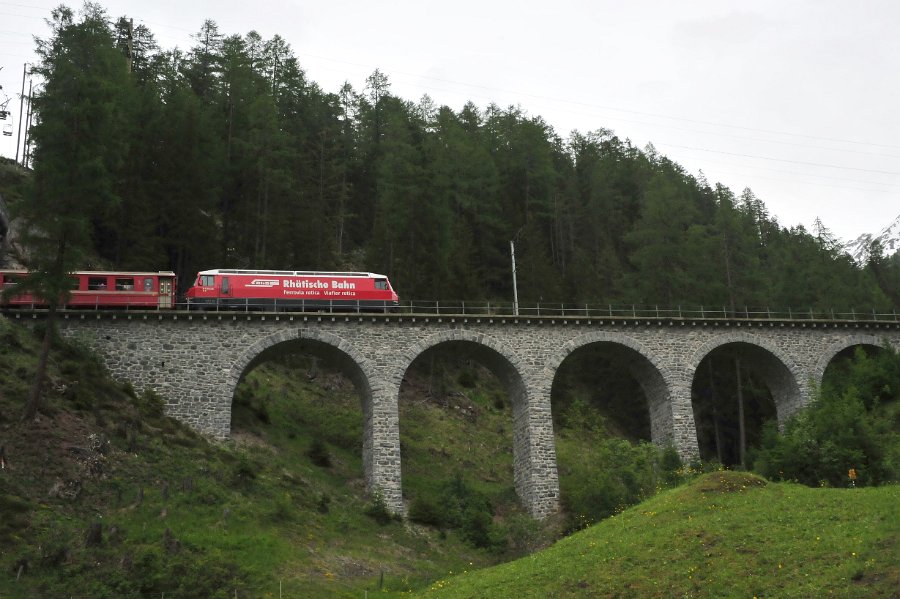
(101, 289)
(290, 290)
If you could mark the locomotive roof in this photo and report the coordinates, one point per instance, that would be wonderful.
(290, 273)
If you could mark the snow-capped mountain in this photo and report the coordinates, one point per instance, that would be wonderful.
(889, 238)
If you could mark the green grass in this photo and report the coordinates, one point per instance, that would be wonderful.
(193, 519)
(724, 535)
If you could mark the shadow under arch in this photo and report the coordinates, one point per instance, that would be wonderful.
(643, 366)
(508, 367)
(338, 352)
(779, 373)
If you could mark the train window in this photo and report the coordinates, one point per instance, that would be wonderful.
(207, 280)
(10, 280)
(124, 284)
(381, 284)
(96, 283)
(148, 284)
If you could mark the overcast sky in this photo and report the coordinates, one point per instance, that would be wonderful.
(797, 100)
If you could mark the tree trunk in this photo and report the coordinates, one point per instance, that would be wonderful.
(715, 412)
(34, 399)
(742, 429)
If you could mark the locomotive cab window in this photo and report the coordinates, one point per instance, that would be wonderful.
(207, 280)
(381, 284)
(96, 283)
(124, 284)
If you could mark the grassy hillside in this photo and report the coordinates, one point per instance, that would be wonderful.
(725, 534)
(281, 506)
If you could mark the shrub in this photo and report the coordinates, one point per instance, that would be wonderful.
(378, 511)
(618, 475)
(425, 510)
(318, 453)
(671, 465)
(823, 442)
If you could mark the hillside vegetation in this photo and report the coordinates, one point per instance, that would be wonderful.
(104, 496)
(726, 534)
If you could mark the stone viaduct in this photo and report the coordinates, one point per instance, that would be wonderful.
(195, 361)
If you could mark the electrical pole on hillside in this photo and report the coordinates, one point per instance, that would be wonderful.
(512, 253)
(21, 107)
(27, 127)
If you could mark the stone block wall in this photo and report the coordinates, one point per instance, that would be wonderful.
(195, 361)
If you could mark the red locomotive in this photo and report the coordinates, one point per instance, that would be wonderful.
(103, 289)
(290, 290)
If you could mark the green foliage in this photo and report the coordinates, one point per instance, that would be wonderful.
(379, 511)
(619, 474)
(821, 444)
(671, 465)
(318, 453)
(844, 428)
(226, 154)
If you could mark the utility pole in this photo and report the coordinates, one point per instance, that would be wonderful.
(512, 253)
(21, 105)
(27, 127)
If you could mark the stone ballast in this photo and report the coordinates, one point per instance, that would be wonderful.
(195, 360)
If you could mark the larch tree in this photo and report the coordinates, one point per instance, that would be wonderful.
(78, 137)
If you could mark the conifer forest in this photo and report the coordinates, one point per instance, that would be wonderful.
(227, 156)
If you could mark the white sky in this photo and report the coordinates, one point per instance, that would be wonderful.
(796, 100)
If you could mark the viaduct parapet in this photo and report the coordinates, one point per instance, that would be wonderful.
(195, 361)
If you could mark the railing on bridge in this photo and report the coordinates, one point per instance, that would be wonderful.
(547, 310)
(543, 309)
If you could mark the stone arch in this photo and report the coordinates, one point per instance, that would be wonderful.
(646, 368)
(834, 349)
(380, 463)
(782, 375)
(252, 353)
(534, 461)
(510, 362)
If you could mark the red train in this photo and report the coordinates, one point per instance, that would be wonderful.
(290, 290)
(225, 289)
(104, 289)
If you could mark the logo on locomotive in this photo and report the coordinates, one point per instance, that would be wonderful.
(266, 283)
